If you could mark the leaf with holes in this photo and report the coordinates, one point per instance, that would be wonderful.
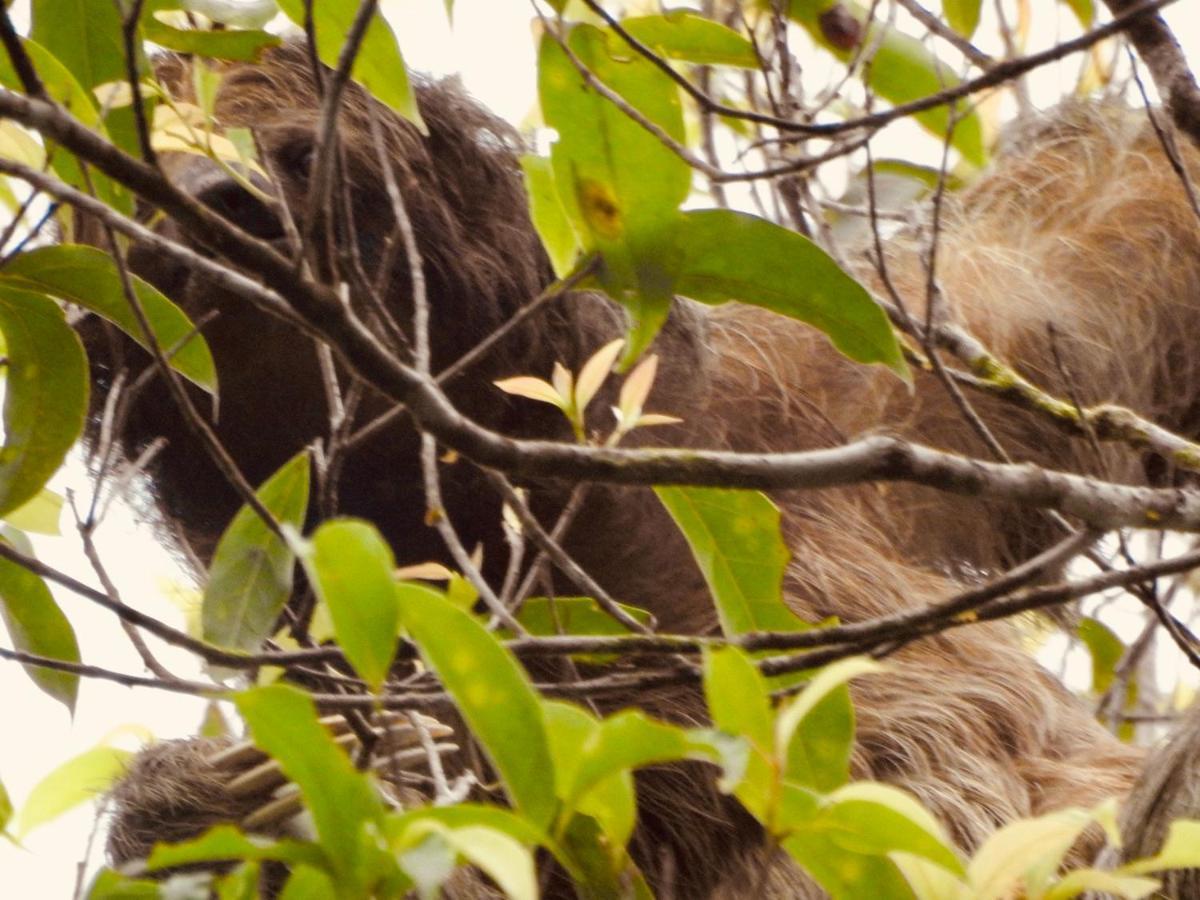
(620, 186)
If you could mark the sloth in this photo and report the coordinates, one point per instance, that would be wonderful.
(1076, 259)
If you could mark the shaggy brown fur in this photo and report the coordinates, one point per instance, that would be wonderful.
(1087, 229)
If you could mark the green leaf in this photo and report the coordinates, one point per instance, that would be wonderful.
(631, 739)
(379, 67)
(228, 842)
(962, 15)
(1099, 882)
(461, 815)
(735, 256)
(63, 87)
(240, 884)
(1084, 10)
(427, 859)
(79, 780)
(1025, 853)
(1106, 650)
(928, 880)
(45, 397)
(283, 722)
(1181, 850)
(492, 693)
(619, 185)
(6, 808)
(111, 885)
(544, 616)
(739, 704)
(307, 883)
(88, 277)
(251, 575)
(85, 36)
(735, 538)
(612, 802)
(36, 625)
(351, 569)
(549, 217)
(499, 857)
(601, 870)
(814, 733)
(245, 45)
(40, 515)
(845, 845)
(687, 36)
(505, 860)
(903, 69)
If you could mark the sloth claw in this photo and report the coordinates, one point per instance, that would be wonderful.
(252, 773)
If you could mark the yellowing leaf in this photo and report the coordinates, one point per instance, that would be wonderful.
(503, 858)
(181, 128)
(40, 515)
(1022, 851)
(78, 780)
(656, 419)
(594, 372)
(563, 381)
(18, 145)
(1097, 881)
(928, 880)
(531, 388)
(427, 571)
(1181, 850)
(636, 388)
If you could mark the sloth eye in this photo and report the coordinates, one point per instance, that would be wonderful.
(296, 159)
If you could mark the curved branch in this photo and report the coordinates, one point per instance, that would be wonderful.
(1160, 51)
(1101, 505)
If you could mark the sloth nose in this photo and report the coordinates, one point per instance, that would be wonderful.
(238, 196)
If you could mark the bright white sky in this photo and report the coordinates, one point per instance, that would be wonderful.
(490, 46)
